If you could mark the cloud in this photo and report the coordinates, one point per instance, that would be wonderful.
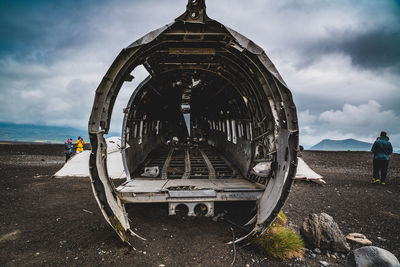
(306, 117)
(339, 58)
(362, 122)
(375, 49)
(353, 117)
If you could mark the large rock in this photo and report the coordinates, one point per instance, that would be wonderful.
(321, 231)
(371, 256)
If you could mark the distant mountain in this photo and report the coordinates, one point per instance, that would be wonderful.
(41, 133)
(342, 145)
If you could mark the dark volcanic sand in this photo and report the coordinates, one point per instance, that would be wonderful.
(43, 221)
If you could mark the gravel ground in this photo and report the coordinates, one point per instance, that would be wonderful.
(47, 221)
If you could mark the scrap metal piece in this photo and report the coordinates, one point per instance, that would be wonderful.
(110, 205)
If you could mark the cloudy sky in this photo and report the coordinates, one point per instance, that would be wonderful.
(341, 59)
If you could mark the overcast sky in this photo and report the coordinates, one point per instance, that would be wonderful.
(341, 59)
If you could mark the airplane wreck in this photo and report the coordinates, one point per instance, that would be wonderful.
(214, 121)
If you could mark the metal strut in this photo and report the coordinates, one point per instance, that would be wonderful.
(164, 171)
(210, 167)
(188, 168)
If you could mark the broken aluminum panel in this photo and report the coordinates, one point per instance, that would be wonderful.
(110, 205)
(235, 63)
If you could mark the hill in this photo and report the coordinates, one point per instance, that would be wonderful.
(342, 145)
(40, 133)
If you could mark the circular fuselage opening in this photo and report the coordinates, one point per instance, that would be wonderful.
(213, 122)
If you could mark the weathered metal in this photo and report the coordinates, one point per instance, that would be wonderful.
(238, 104)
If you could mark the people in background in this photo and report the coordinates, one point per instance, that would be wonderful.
(381, 148)
(68, 149)
(79, 144)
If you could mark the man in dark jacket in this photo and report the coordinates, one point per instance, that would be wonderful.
(382, 148)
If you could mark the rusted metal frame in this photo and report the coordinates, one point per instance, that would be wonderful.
(290, 172)
(171, 70)
(98, 118)
(139, 109)
(188, 168)
(290, 110)
(189, 63)
(125, 66)
(251, 91)
(164, 171)
(98, 125)
(257, 95)
(264, 75)
(114, 212)
(279, 203)
(289, 140)
(114, 91)
(187, 41)
(185, 64)
(243, 91)
(197, 33)
(126, 121)
(225, 73)
(239, 64)
(276, 96)
(216, 101)
(112, 208)
(212, 80)
(250, 80)
(226, 95)
(269, 92)
(195, 67)
(205, 94)
(210, 167)
(267, 132)
(163, 53)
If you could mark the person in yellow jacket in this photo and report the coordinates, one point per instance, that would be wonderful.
(79, 144)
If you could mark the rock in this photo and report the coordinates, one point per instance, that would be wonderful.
(317, 251)
(324, 263)
(321, 231)
(313, 255)
(359, 239)
(371, 256)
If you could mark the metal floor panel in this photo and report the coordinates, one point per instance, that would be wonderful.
(187, 190)
(188, 162)
(149, 186)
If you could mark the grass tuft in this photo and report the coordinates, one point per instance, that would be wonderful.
(280, 242)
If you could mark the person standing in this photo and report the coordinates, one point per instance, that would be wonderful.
(381, 148)
(68, 149)
(79, 144)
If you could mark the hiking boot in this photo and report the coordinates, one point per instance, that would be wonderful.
(377, 181)
(383, 183)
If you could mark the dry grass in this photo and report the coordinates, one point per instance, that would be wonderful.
(280, 242)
